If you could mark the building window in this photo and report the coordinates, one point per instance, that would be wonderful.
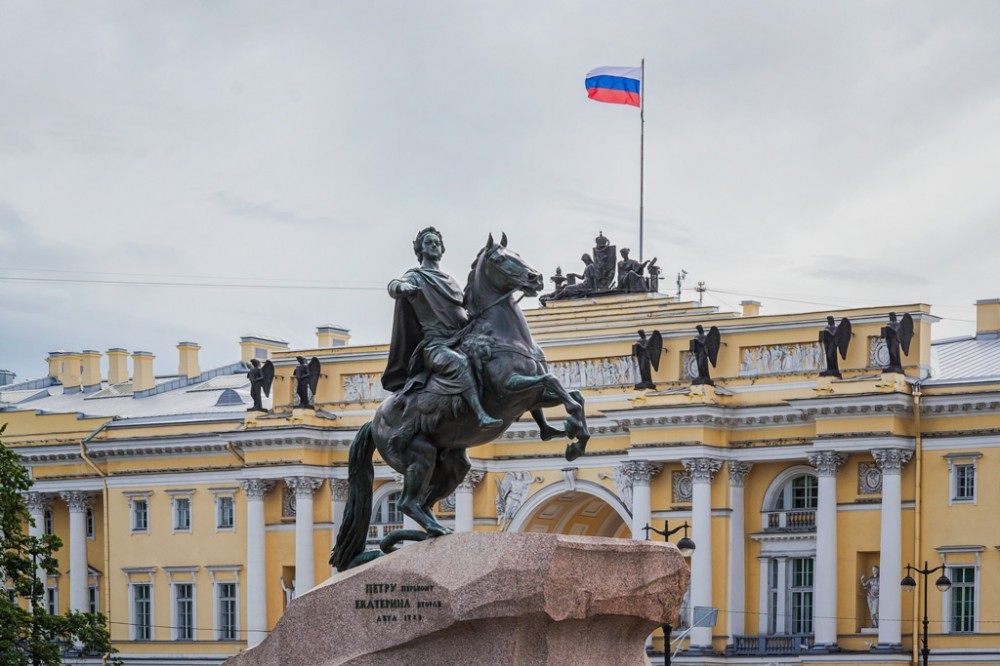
(227, 601)
(801, 596)
(48, 522)
(142, 612)
(94, 599)
(963, 598)
(52, 600)
(184, 611)
(772, 591)
(90, 523)
(140, 515)
(962, 477)
(804, 493)
(182, 514)
(965, 482)
(386, 517)
(225, 512)
(793, 509)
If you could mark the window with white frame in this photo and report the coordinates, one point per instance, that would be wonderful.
(962, 482)
(94, 599)
(386, 517)
(801, 595)
(225, 512)
(227, 601)
(142, 612)
(960, 603)
(182, 513)
(963, 598)
(226, 591)
(183, 611)
(139, 510)
(48, 522)
(90, 523)
(140, 603)
(52, 599)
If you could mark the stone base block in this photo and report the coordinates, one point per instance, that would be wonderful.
(485, 599)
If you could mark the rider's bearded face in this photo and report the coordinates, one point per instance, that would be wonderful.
(431, 247)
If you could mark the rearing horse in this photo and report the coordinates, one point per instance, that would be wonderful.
(424, 435)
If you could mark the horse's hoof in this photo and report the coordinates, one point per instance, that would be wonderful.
(439, 530)
(573, 451)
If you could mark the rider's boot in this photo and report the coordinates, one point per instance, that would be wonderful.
(485, 420)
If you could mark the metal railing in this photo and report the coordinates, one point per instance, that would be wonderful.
(378, 531)
(770, 644)
(791, 520)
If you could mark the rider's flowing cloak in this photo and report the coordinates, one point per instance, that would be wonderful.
(442, 294)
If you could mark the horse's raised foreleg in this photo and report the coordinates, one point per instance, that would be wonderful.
(419, 459)
(576, 422)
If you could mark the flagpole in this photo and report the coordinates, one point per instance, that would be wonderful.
(642, 147)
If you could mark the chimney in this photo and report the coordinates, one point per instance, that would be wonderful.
(142, 371)
(70, 372)
(91, 361)
(988, 318)
(55, 364)
(750, 308)
(260, 347)
(188, 359)
(329, 335)
(117, 365)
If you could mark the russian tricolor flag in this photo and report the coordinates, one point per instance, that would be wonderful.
(615, 85)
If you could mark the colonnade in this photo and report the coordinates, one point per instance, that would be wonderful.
(702, 470)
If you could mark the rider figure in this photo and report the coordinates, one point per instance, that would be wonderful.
(430, 312)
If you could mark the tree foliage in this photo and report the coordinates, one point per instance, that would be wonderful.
(29, 635)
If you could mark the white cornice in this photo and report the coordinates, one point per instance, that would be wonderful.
(963, 403)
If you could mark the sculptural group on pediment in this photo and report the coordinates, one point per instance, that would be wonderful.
(603, 274)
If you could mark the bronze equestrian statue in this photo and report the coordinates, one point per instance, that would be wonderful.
(464, 368)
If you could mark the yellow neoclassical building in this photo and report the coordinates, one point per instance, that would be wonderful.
(192, 522)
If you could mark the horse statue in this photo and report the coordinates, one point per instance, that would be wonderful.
(424, 435)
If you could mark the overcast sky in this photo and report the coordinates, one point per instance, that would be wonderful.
(839, 152)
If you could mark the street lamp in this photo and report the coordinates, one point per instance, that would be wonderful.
(943, 583)
(686, 546)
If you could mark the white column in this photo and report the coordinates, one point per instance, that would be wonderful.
(738, 471)
(825, 567)
(638, 474)
(890, 604)
(37, 503)
(763, 600)
(464, 513)
(255, 490)
(701, 471)
(79, 573)
(305, 564)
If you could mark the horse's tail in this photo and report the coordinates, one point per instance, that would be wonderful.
(358, 511)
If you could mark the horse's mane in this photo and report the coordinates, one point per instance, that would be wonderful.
(472, 275)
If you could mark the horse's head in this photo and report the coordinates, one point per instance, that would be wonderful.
(504, 270)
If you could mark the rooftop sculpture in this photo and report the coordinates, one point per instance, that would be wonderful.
(598, 277)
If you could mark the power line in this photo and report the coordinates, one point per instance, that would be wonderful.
(150, 283)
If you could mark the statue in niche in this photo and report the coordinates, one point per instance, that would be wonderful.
(306, 380)
(898, 334)
(835, 339)
(705, 348)
(871, 585)
(511, 493)
(630, 279)
(647, 354)
(261, 378)
(289, 591)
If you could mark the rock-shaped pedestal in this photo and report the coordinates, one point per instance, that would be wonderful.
(485, 599)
